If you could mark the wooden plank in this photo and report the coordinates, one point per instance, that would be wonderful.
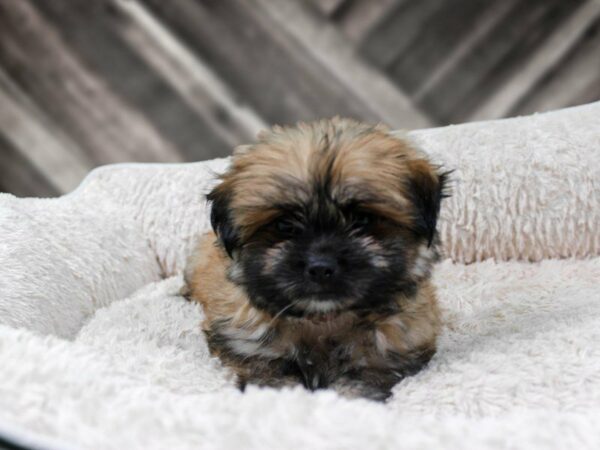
(503, 52)
(358, 18)
(192, 78)
(33, 140)
(41, 63)
(438, 35)
(329, 7)
(19, 177)
(554, 49)
(260, 61)
(335, 54)
(397, 30)
(95, 34)
(575, 80)
(484, 24)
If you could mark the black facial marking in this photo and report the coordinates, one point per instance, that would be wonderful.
(426, 194)
(222, 222)
(360, 269)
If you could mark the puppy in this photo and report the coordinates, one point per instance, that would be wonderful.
(318, 270)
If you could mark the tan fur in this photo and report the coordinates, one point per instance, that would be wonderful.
(280, 166)
(220, 298)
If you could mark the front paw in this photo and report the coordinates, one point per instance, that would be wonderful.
(278, 382)
(353, 388)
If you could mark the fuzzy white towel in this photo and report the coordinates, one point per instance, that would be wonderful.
(518, 364)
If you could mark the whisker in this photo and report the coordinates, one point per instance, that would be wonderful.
(284, 309)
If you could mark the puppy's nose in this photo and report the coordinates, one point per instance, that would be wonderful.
(322, 269)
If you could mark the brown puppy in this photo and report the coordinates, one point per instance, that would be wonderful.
(319, 270)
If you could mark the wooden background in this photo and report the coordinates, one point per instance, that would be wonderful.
(90, 82)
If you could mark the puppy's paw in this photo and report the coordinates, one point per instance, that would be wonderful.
(352, 388)
(243, 381)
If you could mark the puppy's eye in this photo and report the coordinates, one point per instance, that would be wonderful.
(362, 220)
(287, 227)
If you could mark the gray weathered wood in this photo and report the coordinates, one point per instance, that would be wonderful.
(260, 61)
(484, 25)
(576, 80)
(35, 139)
(84, 83)
(94, 33)
(359, 18)
(491, 62)
(397, 30)
(438, 36)
(192, 78)
(19, 177)
(543, 60)
(41, 63)
(329, 7)
(334, 53)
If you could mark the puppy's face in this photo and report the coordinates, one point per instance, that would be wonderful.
(327, 217)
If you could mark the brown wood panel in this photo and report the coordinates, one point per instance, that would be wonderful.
(41, 64)
(329, 7)
(333, 52)
(574, 81)
(563, 40)
(19, 177)
(38, 140)
(397, 30)
(89, 82)
(438, 35)
(260, 62)
(495, 58)
(93, 31)
(358, 18)
(197, 84)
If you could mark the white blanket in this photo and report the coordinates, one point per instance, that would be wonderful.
(518, 364)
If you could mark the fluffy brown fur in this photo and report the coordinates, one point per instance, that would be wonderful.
(319, 269)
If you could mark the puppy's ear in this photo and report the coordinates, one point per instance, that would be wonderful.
(426, 189)
(221, 221)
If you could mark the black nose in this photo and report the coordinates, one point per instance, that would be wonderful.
(322, 269)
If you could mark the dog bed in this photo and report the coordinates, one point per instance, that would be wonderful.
(99, 350)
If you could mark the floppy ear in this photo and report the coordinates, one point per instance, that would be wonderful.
(221, 222)
(426, 190)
